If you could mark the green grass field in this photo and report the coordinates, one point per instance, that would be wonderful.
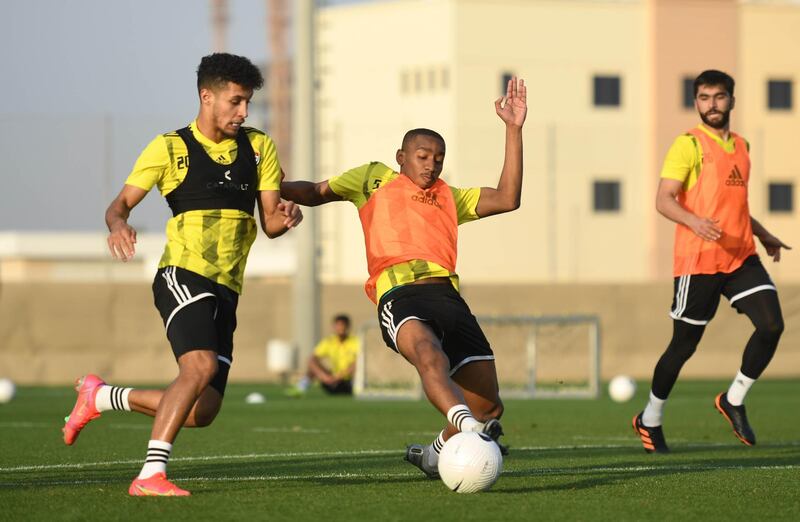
(340, 459)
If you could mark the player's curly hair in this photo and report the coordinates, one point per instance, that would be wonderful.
(216, 70)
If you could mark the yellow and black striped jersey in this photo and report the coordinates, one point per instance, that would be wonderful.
(358, 184)
(213, 243)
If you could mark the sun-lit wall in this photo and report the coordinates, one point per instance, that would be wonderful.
(769, 42)
(386, 67)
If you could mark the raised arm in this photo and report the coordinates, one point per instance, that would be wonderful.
(122, 237)
(277, 216)
(668, 206)
(771, 243)
(512, 109)
(308, 193)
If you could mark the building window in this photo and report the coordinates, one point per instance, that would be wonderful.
(504, 82)
(781, 197)
(432, 79)
(607, 91)
(606, 196)
(404, 82)
(688, 92)
(444, 79)
(779, 94)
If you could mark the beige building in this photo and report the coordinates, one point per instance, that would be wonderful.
(606, 84)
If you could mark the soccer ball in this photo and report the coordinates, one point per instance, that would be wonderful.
(470, 462)
(7, 390)
(621, 388)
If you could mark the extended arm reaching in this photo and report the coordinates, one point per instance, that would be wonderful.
(308, 193)
(512, 109)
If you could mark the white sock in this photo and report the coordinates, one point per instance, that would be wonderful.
(653, 412)
(157, 456)
(739, 388)
(112, 398)
(460, 417)
(432, 452)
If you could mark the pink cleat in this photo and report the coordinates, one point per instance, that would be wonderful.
(84, 409)
(156, 486)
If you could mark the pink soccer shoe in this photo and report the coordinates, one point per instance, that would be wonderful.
(156, 486)
(84, 409)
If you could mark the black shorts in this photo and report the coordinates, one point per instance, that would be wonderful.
(198, 314)
(340, 388)
(697, 296)
(443, 309)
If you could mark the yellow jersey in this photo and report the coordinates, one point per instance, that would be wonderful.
(213, 243)
(339, 354)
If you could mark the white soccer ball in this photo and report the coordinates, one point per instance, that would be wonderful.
(7, 390)
(621, 388)
(255, 398)
(470, 462)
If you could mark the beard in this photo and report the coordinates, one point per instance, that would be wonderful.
(719, 124)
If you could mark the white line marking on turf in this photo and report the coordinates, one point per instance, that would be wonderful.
(293, 429)
(27, 425)
(541, 472)
(374, 452)
(79, 465)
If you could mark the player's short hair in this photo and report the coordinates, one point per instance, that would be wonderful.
(413, 133)
(714, 77)
(216, 70)
(343, 318)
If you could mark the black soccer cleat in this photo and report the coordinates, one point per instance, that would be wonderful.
(652, 438)
(415, 454)
(737, 417)
(493, 429)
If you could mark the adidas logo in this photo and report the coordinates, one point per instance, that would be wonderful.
(735, 178)
(427, 197)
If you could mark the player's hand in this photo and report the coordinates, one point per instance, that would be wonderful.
(773, 246)
(513, 107)
(706, 228)
(291, 212)
(122, 241)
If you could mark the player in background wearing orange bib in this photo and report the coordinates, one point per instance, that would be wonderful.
(410, 221)
(703, 189)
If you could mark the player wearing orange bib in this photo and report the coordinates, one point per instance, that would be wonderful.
(703, 189)
(410, 221)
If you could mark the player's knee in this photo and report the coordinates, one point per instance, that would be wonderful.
(681, 349)
(204, 418)
(199, 367)
(492, 411)
(771, 329)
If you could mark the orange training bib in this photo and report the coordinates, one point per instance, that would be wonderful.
(403, 222)
(720, 193)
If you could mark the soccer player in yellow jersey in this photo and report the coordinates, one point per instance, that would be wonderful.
(333, 362)
(212, 173)
(703, 189)
(410, 221)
